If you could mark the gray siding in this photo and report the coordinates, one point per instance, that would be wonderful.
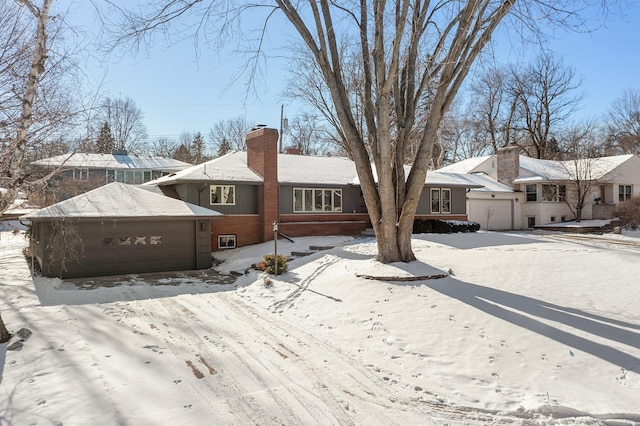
(181, 244)
(458, 201)
(351, 198)
(246, 197)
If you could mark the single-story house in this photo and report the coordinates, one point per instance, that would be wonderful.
(120, 229)
(306, 195)
(175, 221)
(521, 192)
(81, 172)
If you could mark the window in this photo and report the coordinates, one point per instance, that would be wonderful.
(155, 240)
(624, 193)
(553, 218)
(107, 242)
(223, 194)
(440, 200)
(124, 241)
(317, 200)
(532, 194)
(553, 193)
(81, 174)
(141, 241)
(226, 241)
(531, 222)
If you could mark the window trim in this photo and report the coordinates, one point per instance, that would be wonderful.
(314, 194)
(229, 237)
(443, 203)
(533, 194)
(623, 195)
(215, 186)
(555, 193)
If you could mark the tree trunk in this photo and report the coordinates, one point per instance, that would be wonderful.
(4, 333)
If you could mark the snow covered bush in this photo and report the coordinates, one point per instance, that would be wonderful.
(629, 212)
(268, 264)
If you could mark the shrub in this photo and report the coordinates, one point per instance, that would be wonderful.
(437, 226)
(268, 264)
(629, 212)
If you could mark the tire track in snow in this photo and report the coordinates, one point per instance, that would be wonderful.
(325, 263)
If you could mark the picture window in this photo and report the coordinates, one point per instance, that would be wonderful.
(317, 200)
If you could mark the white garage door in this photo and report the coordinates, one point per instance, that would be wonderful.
(495, 213)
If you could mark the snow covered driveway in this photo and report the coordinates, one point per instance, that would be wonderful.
(321, 346)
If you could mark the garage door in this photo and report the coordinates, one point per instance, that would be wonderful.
(137, 247)
(495, 213)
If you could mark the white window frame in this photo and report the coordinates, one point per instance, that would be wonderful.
(623, 194)
(443, 202)
(553, 194)
(224, 199)
(533, 193)
(329, 197)
(81, 174)
(230, 241)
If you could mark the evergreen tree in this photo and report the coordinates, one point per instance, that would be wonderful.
(105, 142)
(182, 153)
(197, 149)
(223, 148)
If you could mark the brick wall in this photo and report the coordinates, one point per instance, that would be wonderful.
(508, 164)
(246, 228)
(262, 158)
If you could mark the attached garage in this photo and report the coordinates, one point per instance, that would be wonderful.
(120, 229)
(493, 214)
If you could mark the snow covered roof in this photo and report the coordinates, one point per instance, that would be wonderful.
(292, 169)
(488, 183)
(549, 170)
(111, 161)
(308, 169)
(229, 167)
(121, 200)
(465, 166)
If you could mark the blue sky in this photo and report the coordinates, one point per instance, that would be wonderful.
(179, 93)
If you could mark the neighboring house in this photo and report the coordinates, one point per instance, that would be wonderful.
(522, 192)
(120, 229)
(306, 195)
(80, 172)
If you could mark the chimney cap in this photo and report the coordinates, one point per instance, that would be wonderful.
(258, 126)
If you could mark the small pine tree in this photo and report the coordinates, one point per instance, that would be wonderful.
(223, 148)
(182, 153)
(197, 149)
(105, 142)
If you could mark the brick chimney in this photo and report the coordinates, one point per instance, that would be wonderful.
(293, 150)
(508, 164)
(262, 158)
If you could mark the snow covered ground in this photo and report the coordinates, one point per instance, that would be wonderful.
(531, 329)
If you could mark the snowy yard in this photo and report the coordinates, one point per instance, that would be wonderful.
(531, 329)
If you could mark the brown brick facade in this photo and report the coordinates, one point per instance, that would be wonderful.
(304, 225)
(262, 158)
(246, 228)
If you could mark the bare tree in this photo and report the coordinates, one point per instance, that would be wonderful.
(412, 54)
(546, 98)
(492, 109)
(162, 147)
(307, 134)
(231, 131)
(624, 124)
(581, 151)
(124, 119)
